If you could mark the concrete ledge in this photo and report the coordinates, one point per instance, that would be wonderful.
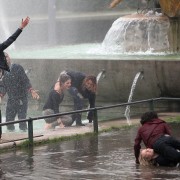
(70, 131)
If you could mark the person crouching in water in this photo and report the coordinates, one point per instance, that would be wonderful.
(55, 98)
(83, 86)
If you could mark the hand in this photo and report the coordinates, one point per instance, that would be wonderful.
(90, 116)
(24, 23)
(34, 94)
(47, 126)
(61, 125)
(137, 161)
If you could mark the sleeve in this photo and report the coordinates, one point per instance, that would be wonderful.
(167, 129)
(137, 146)
(24, 78)
(2, 89)
(10, 40)
(55, 102)
(91, 99)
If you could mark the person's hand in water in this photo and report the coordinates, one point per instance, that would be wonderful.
(24, 22)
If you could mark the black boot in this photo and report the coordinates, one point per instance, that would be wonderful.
(23, 126)
(10, 127)
(77, 118)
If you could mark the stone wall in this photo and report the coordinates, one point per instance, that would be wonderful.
(161, 77)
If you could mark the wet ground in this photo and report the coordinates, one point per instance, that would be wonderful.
(106, 156)
(9, 139)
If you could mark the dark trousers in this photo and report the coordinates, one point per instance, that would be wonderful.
(77, 98)
(168, 147)
(17, 107)
(78, 103)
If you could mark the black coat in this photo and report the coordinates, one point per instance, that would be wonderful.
(4, 45)
(15, 83)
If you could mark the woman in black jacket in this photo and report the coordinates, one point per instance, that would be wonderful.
(53, 102)
(82, 87)
(7, 43)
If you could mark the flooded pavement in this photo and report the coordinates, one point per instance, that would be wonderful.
(106, 156)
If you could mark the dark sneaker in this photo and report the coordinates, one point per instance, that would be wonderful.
(10, 127)
(23, 126)
(90, 120)
(23, 129)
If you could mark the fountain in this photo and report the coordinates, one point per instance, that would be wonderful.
(44, 57)
(100, 75)
(78, 26)
(3, 24)
(127, 111)
(150, 31)
(138, 33)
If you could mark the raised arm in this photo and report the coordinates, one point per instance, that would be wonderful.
(14, 36)
(24, 22)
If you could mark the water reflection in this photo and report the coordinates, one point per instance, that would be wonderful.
(107, 156)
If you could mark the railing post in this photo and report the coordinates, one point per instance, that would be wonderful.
(30, 132)
(0, 126)
(95, 121)
(151, 105)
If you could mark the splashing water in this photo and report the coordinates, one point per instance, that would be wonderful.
(127, 111)
(138, 33)
(100, 74)
(4, 26)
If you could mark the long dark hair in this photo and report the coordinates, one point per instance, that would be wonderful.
(94, 81)
(148, 116)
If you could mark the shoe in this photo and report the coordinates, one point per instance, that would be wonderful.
(80, 124)
(10, 128)
(90, 120)
(23, 128)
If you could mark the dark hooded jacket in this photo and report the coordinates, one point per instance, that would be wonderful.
(77, 81)
(4, 45)
(15, 83)
(149, 132)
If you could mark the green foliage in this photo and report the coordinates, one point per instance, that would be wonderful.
(173, 119)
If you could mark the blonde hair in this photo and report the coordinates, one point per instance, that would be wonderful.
(145, 161)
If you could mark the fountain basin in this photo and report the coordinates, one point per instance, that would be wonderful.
(143, 32)
(160, 76)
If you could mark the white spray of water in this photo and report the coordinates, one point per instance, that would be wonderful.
(138, 33)
(127, 111)
(4, 25)
(100, 74)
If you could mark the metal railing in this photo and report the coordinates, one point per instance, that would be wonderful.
(95, 110)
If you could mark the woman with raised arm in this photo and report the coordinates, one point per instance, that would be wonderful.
(8, 42)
